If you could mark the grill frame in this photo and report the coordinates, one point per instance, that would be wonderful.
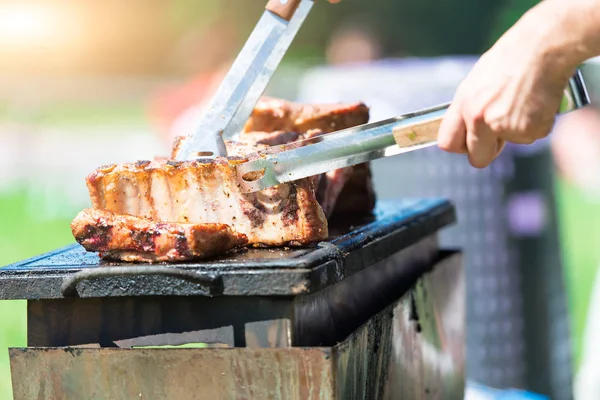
(351, 306)
(354, 245)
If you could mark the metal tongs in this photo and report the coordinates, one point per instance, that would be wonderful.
(247, 79)
(410, 132)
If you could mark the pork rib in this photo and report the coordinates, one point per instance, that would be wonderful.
(271, 115)
(206, 191)
(200, 200)
(129, 238)
(309, 120)
(357, 196)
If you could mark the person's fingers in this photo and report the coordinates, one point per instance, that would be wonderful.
(526, 135)
(482, 145)
(452, 133)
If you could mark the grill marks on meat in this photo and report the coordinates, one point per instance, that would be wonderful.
(129, 238)
(290, 211)
(96, 235)
(206, 191)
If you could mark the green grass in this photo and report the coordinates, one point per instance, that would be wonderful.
(21, 236)
(68, 114)
(22, 233)
(579, 222)
(12, 334)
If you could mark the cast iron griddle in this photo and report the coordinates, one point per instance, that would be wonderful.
(354, 245)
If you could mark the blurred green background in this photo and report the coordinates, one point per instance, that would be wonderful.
(74, 74)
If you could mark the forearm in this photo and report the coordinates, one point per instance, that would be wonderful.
(571, 29)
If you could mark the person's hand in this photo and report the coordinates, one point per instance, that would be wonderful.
(512, 94)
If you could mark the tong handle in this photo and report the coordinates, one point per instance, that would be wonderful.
(425, 131)
(283, 8)
(418, 133)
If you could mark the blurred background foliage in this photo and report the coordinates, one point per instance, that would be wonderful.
(147, 36)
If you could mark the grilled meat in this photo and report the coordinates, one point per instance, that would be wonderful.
(329, 185)
(272, 115)
(128, 238)
(357, 195)
(334, 195)
(200, 200)
(341, 191)
(206, 191)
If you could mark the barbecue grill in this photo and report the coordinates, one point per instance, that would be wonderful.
(374, 312)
